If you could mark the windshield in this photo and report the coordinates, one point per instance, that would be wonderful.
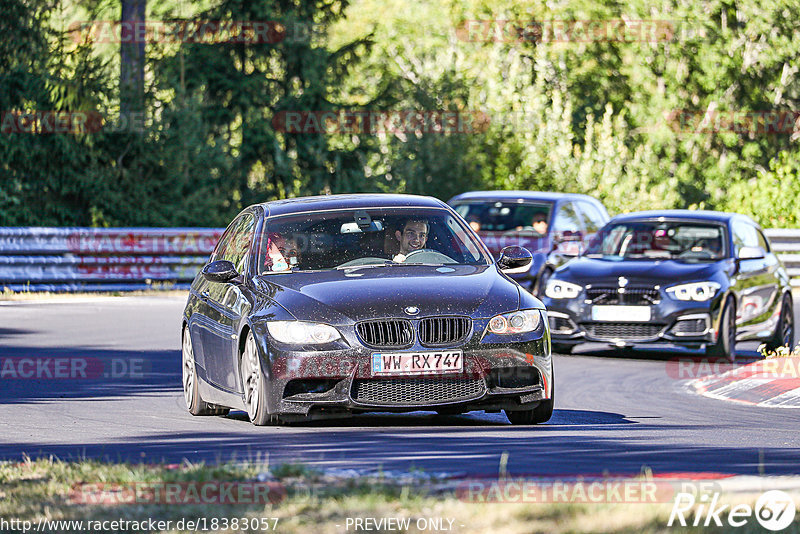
(660, 240)
(379, 237)
(507, 216)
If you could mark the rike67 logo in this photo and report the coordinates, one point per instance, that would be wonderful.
(774, 510)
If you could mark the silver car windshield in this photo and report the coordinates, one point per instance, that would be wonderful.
(366, 238)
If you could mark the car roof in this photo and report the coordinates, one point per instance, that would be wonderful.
(354, 201)
(694, 215)
(521, 196)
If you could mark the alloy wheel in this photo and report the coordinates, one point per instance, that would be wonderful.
(251, 377)
(188, 369)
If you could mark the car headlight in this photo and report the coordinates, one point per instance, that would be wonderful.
(517, 322)
(302, 333)
(558, 289)
(698, 291)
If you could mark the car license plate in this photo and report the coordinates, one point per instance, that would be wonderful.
(621, 313)
(401, 363)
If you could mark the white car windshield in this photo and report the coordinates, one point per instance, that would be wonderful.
(360, 238)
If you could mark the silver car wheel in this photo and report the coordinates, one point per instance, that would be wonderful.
(188, 369)
(251, 376)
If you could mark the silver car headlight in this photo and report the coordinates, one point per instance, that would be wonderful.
(558, 289)
(302, 333)
(697, 291)
(517, 322)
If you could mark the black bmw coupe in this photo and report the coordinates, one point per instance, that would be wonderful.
(696, 279)
(328, 306)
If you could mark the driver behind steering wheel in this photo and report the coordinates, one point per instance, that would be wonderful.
(413, 237)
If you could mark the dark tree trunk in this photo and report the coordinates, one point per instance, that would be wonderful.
(131, 52)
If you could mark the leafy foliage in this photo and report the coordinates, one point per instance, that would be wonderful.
(623, 119)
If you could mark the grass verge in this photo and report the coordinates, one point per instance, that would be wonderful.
(296, 499)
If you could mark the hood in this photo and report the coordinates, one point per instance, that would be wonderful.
(585, 270)
(344, 296)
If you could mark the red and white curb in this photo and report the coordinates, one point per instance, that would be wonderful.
(774, 383)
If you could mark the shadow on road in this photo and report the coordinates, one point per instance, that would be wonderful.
(746, 353)
(573, 442)
(458, 450)
(43, 374)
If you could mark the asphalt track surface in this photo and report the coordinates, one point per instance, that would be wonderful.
(615, 413)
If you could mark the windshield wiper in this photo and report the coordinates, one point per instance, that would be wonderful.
(365, 265)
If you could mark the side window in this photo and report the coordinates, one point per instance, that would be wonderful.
(745, 235)
(224, 241)
(464, 244)
(236, 248)
(566, 219)
(762, 241)
(593, 220)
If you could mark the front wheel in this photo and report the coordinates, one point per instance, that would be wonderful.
(562, 348)
(725, 347)
(784, 332)
(254, 384)
(541, 414)
(191, 393)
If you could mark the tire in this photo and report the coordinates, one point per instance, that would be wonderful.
(784, 332)
(191, 393)
(541, 414)
(562, 348)
(541, 282)
(254, 388)
(725, 347)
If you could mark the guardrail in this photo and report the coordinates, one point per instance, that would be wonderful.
(102, 259)
(126, 259)
(786, 244)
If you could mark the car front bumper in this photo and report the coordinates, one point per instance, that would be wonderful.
(672, 323)
(495, 376)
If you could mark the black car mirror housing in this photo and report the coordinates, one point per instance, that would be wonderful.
(513, 258)
(220, 271)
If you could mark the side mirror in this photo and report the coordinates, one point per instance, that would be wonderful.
(751, 253)
(220, 271)
(513, 258)
(569, 237)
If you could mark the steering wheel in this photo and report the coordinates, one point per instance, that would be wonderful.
(437, 255)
